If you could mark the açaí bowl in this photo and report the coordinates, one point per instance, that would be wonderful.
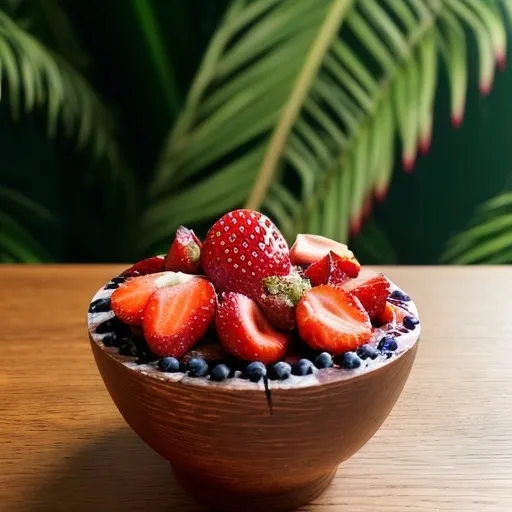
(225, 446)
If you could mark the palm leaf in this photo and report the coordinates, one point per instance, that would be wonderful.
(35, 77)
(297, 103)
(489, 237)
(17, 244)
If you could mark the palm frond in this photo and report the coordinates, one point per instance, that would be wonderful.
(37, 78)
(489, 237)
(297, 104)
(17, 244)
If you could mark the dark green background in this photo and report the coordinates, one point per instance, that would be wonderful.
(464, 167)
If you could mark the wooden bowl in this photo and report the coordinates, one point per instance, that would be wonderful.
(226, 448)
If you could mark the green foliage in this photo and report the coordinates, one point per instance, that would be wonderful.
(296, 108)
(296, 105)
(489, 237)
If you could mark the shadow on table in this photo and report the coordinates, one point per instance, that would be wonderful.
(115, 472)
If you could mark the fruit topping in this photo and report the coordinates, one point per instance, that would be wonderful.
(324, 360)
(245, 333)
(279, 298)
(328, 318)
(281, 371)
(386, 316)
(197, 367)
(332, 269)
(210, 351)
(130, 299)
(241, 249)
(410, 322)
(177, 316)
(371, 288)
(388, 343)
(256, 371)
(148, 266)
(185, 252)
(351, 360)
(399, 295)
(100, 306)
(169, 365)
(220, 372)
(308, 249)
(368, 351)
(303, 367)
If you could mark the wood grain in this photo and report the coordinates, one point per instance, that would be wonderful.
(446, 446)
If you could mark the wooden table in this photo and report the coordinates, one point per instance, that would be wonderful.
(447, 445)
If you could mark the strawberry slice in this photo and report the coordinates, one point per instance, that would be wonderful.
(129, 300)
(386, 316)
(147, 266)
(245, 333)
(331, 319)
(242, 248)
(308, 249)
(371, 288)
(177, 317)
(332, 269)
(185, 252)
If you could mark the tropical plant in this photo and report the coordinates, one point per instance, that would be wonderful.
(295, 109)
(488, 239)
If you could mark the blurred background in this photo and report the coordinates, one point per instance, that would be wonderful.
(382, 123)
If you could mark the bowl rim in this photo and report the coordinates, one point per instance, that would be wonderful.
(320, 377)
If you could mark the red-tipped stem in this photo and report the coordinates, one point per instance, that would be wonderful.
(485, 87)
(381, 192)
(408, 162)
(425, 141)
(368, 206)
(355, 224)
(501, 59)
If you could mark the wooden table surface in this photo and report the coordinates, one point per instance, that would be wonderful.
(447, 445)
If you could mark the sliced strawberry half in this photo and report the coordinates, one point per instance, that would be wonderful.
(245, 333)
(332, 269)
(129, 300)
(371, 288)
(309, 249)
(176, 317)
(185, 252)
(147, 266)
(331, 319)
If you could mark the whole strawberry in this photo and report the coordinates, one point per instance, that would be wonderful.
(242, 248)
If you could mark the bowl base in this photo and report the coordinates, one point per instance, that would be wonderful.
(228, 500)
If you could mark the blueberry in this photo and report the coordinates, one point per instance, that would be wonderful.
(111, 286)
(367, 351)
(169, 365)
(256, 371)
(400, 295)
(388, 343)
(197, 367)
(105, 327)
(324, 360)
(303, 367)
(350, 360)
(110, 339)
(100, 306)
(220, 372)
(282, 370)
(410, 322)
(127, 347)
(118, 279)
